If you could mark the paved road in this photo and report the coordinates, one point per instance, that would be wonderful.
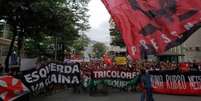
(115, 96)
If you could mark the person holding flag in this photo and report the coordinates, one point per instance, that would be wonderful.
(107, 60)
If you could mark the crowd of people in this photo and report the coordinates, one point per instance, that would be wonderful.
(88, 67)
(142, 67)
(147, 65)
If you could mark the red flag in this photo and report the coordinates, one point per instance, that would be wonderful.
(107, 60)
(153, 26)
(10, 88)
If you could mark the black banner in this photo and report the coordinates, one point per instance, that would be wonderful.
(112, 78)
(52, 73)
(114, 74)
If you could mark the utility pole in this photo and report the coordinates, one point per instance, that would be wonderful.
(55, 46)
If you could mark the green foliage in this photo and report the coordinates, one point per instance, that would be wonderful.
(37, 19)
(99, 49)
(117, 39)
(81, 43)
(45, 46)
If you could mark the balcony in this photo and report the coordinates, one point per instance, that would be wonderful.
(4, 42)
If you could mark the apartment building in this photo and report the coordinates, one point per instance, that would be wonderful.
(4, 40)
(191, 48)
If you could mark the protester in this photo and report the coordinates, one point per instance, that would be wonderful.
(199, 66)
(41, 61)
(93, 87)
(145, 82)
(194, 66)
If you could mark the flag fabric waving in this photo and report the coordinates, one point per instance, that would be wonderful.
(107, 60)
(11, 88)
(154, 26)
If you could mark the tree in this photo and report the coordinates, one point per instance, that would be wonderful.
(116, 38)
(31, 19)
(99, 49)
(80, 44)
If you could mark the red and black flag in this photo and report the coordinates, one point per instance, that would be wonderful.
(154, 26)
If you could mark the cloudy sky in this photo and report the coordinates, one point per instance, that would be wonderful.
(99, 22)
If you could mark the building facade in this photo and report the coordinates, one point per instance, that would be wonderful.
(191, 48)
(4, 40)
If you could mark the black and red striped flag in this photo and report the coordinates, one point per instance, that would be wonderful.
(154, 26)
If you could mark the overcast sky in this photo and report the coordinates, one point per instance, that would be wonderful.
(99, 22)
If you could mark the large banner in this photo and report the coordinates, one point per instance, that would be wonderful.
(170, 82)
(165, 82)
(52, 73)
(112, 78)
(154, 26)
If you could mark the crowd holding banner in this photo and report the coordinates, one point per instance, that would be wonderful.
(172, 82)
(147, 27)
(166, 80)
(52, 73)
(114, 78)
(92, 74)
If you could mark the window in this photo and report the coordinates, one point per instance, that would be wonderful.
(5, 51)
(1, 30)
(198, 48)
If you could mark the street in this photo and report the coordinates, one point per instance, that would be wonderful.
(113, 96)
